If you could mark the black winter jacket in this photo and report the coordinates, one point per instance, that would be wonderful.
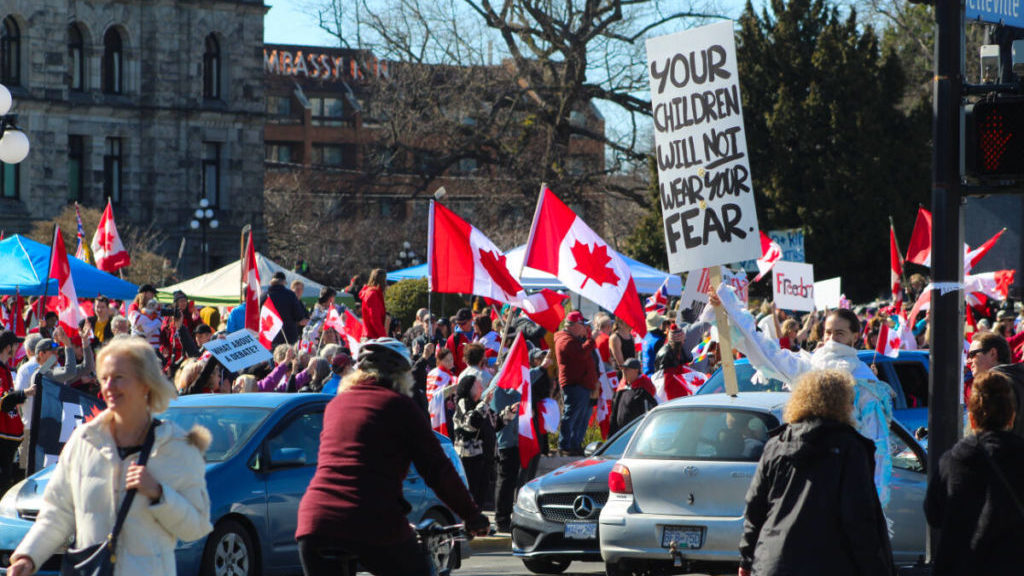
(812, 507)
(982, 528)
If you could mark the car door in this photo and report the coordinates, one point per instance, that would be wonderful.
(289, 461)
(906, 502)
(414, 492)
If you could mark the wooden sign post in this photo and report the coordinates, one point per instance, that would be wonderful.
(724, 339)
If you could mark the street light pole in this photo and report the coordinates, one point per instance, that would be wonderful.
(202, 219)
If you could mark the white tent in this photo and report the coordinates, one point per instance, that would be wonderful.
(222, 285)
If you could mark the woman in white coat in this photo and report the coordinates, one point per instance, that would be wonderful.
(98, 465)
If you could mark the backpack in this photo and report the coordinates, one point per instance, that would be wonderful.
(631, 404)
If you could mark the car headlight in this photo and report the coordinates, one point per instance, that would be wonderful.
(527, 499)
(8, 504)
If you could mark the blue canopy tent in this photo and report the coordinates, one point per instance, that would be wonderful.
(647, 278)
(24, 264)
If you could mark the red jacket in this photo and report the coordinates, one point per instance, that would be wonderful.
(374, 313)
(576, 366)
(11, 427)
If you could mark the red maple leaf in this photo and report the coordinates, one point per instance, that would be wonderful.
(92, 414)
(495, 266)
(593, 264)
(266, 324)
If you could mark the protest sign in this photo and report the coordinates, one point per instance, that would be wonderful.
(698, 281)
(828, 293)
(238, 350)
(790, 240)
(706, 191)
(56, 411)
(793, 286)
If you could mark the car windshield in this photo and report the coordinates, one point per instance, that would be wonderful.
(703, 434)
(229, 427)
(617, 445)
(744, 377)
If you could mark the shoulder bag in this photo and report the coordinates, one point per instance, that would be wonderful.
(99, 559)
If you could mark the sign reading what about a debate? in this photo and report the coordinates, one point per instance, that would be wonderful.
(238, 350)
(706, 190)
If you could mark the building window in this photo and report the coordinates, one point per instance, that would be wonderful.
(328, 155)
(279, 152)
(113, 63)
(279, 110)
(467, 165)
(9, 175)
(211, 69)
(76, 159)
(10, 53)
(76, 58)
(211, 172)
(113, 163)
(327, 111)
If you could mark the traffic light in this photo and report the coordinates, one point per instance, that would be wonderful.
(994, 139)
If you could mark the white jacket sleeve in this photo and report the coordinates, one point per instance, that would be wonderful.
(184, 508)
(764, 353)
(55, 525)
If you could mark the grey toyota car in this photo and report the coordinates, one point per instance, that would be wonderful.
(554, 520)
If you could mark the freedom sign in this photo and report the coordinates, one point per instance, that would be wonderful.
(705, 187)
(793, 286)
(238, 350)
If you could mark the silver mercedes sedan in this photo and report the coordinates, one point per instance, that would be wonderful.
(677, 495)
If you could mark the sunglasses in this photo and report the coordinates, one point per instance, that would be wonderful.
(974, 353)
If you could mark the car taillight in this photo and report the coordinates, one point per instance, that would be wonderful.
(619, 481)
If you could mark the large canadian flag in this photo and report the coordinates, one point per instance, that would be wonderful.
(972, 257)
(889, 342)
(895, 267)
(771, 253)
(995, 285)
(462, 260)
(106, 244)
(270, 323)
(514, 374)
(919, 251)
(562, 244)
(253, 292)
(68, 312)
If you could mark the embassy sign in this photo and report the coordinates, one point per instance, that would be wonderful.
(315, 64)
(1005, 12)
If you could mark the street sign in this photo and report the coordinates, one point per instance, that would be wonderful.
(1005, 12)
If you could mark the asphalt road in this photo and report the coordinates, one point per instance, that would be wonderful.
(488, 563)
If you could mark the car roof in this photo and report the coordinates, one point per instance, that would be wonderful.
(766, 401)
(247, 400)
(867, 356)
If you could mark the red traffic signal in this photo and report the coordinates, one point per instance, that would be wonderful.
(994, 139)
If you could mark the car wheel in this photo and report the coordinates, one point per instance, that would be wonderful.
(229, 551)
(546, 565)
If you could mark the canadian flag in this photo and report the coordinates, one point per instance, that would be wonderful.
(906, 333)
(437, 380)
(68, 312)
(253, 292)
(895, 267)
(335, 321)
(888, 342)
(602, 415)
(353, 331)
(563, 245)
(106, 244)
(658, 302)
(270, 323)
(995, 285)
(771, 253)
(677, 382)
(462, 260)
(919, 251)
(514, 374)
(972, 257)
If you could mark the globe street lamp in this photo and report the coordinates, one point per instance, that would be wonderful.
(14, 144)
(203, 218)
(407, 257)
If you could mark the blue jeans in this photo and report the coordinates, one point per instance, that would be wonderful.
(574, 418)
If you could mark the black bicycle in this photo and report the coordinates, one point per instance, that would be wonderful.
(440, 543)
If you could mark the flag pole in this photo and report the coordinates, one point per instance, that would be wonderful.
(430, 269)
(41, 313)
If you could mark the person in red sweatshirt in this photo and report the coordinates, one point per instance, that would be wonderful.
(371, 297)
(372, 431)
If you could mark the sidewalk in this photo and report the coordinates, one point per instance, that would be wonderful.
(502, 541)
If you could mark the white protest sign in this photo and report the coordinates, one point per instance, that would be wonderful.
(707, 196)
(827, 293)
(793, 286)
(698, 281)
(238, 350)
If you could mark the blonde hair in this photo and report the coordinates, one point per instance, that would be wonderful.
(187, 373)
(378, 278)
(244, 383)
(789, 324)
(146, 366)
(822, 394)
(279, 352)
(401, 382)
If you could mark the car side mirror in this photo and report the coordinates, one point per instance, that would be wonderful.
(592, 447)
(287, 458)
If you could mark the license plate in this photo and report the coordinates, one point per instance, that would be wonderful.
(581, 530)
(685, 537)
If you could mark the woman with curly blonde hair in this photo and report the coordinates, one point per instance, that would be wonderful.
(812, 503)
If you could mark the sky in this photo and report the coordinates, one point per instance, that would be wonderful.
(292, 22)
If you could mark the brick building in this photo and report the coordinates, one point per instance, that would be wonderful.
(153, 104)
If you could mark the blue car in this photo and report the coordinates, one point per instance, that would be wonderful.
(907, 374)
(258, 466)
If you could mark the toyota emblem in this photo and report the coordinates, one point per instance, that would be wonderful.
(583, 506)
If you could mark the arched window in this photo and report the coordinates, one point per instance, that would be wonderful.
(76, 59)
(113, 63)
(211, 69)
(10, 53)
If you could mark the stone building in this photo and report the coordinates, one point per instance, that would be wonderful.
(152, 104)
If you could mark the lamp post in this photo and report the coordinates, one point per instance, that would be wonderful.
(407, 257)
(14, 144)
(203, 218)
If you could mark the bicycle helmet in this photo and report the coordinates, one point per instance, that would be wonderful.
(385, 355)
